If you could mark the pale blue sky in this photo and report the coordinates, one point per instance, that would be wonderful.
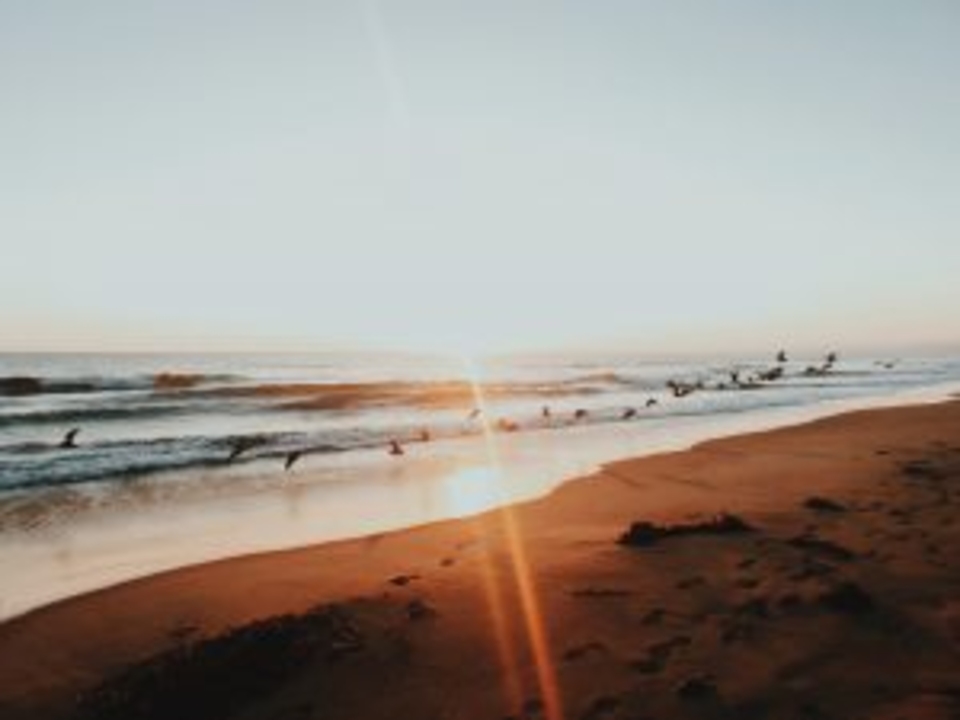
(482, 175)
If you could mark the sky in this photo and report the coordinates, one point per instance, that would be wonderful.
(479, 176)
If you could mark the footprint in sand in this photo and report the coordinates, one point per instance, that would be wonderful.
(654, 617)
(698, 689)
(602, 707)
(600, 592)
(402, 580)
(659, 654)
(532, 710)
(420, 610)
(579, 652)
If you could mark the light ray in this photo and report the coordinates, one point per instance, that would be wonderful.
(531, 612)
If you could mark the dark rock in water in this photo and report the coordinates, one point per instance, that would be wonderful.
(697, 689)
(819, 546)
(217, 678)
(420, 610)
(644, 534)
(20, 386)
(847, 597)
(822, 504)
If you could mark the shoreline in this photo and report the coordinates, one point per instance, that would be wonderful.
(110, 548)
(565, 542)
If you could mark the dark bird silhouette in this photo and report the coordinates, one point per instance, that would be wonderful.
(545, 412)
(735, 377)
(292, 457)
(831, 358)
(580, 414)
(629, 413)
(771, 374)
(241, 445)
(782, 356)
(395, 448)
(424, 435)
(70, 439)
(679, 389)
(651, 402)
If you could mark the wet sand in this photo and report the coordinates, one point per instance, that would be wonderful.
(837, 596)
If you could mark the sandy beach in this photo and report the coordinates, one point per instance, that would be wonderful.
(805, 572)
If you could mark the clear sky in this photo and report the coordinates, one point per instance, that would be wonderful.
(488, 175)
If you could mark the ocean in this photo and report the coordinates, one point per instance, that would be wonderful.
(180, 459)
(151, 414)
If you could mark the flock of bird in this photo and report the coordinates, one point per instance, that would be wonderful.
(678, 388)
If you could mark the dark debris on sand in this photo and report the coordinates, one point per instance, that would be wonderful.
(697, 689)
(822, 504)
(213, 679)
(847, 597)
(420, 610)
(820, 547)
(645, 534)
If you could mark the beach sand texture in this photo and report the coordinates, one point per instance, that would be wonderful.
(838, 597)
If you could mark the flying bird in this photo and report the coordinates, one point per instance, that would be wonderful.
(651, 402)
(241, 445)
(292, 457)
(70, 439)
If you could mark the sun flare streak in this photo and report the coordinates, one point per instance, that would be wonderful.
(532, 615)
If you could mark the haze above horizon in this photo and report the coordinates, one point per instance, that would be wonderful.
(488, 177)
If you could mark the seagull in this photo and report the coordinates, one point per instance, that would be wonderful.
(69, 440)
(772, 374)
(651, 402)
(241, 445)
(629, 413)
(292, 457)
(395, 448)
